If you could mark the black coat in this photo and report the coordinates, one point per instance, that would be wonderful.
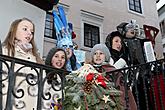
(116, 55)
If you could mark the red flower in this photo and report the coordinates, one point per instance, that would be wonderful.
(100, 80)
(90, 76)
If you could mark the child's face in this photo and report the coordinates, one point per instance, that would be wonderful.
(58, 60)
(24, 31)
(98, 57)
(116, 43)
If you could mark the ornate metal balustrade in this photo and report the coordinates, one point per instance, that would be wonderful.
(16, 73)
(147, 82)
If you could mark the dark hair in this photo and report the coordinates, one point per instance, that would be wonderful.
(51, 54)
(51, 75)
(110, 37)
(121, 28)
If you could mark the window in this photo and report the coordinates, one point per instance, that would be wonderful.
(91, 29)
(49, 26)
(162, 28)
(135, 5)
(163, 45)
(91, 35)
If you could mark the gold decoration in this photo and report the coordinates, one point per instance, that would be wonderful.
(88, 87)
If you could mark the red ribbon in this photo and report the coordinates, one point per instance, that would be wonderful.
(99, 79)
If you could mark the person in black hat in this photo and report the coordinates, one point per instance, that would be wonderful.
(133, 44)
(114, 42)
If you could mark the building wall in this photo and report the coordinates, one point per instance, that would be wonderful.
(161, 14)
(11, 10)
(108, 14)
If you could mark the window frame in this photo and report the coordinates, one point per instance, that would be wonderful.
(162, 28)
(91, 41)
(91, 19)
(50, 29)
(134, 5)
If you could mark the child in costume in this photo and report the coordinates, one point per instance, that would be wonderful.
(64, 38)
(144, 78)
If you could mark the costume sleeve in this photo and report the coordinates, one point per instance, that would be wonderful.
(119, 82)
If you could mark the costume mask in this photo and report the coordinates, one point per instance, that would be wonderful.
(131, 29)
(64, 37)
(63, 32)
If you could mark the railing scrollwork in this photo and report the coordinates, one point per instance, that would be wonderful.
(19, 78)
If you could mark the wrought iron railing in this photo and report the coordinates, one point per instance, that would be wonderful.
(16, 72)
(147, 82)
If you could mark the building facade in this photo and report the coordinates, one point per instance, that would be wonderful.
(161, 13)
(92, 20)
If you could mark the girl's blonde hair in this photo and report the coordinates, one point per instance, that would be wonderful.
(9, 42)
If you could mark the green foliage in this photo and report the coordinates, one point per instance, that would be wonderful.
(83, 94)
